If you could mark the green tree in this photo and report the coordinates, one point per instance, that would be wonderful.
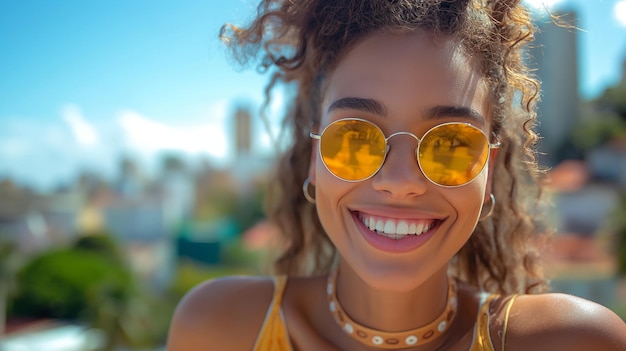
(57, 284)
(614, 99)
(600, 129)
(101, 243)
(87, 282)
(604, 121)
(9, 261)
(619, 222)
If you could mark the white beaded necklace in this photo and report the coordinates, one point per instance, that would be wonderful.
(392, 340)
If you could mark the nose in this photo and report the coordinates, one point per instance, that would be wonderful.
(400, 175)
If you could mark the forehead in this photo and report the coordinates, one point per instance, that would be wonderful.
(408, 71)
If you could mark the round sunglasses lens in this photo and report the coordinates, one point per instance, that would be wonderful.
(453, 154)
(352, 149)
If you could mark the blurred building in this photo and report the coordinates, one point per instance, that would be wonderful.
(242, 132)
(36, 222)
(249, 164)
(555, 56)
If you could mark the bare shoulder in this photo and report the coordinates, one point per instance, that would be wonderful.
(563, 322)
(221, 314)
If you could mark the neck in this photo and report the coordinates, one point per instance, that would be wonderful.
(371, 331)
(388, 310)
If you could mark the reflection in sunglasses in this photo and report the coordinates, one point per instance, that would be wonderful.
(450, 154)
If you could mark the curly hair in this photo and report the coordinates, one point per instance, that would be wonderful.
(299, 42)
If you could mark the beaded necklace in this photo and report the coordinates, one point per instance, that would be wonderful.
(392, 340)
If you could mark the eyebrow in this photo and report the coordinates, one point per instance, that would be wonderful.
(455, 111)
(359, 104)
(375, 107)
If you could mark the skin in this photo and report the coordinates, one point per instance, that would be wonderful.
(406, 75)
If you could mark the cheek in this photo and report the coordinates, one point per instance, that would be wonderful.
(329, 189)
(468, 199)
(476, 192)
(326, 190)
(326, 202)
(331, 197)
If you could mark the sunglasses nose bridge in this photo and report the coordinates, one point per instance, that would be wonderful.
(403, 133)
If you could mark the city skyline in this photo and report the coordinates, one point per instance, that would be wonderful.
(87, 83)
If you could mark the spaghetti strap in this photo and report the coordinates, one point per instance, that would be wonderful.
(273, 334)
(506, 318)
(481, 337)
(279, 287)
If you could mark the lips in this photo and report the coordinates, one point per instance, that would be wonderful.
(388, 236)
(396, 228)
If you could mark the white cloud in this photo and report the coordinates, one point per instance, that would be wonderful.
(84, 133)
(148, 136)
(619, 11)
(46, 150)
(13, 148)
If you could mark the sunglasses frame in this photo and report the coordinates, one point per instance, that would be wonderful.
(491, 146)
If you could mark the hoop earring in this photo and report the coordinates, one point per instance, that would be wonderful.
(305, 190)
(492, 206)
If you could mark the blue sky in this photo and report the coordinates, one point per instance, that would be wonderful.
(83, 82)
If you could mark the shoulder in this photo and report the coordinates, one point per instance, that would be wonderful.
(563, 322)
(222, 314)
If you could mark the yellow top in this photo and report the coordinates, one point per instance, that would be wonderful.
(274, 337)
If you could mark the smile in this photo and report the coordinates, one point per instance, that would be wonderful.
(396, 228)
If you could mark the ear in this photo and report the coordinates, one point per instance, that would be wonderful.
(493, 155)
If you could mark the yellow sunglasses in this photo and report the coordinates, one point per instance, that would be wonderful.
(449, 154)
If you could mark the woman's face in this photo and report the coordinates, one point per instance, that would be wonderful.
(402, 83)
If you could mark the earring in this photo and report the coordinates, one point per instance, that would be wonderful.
(492, 205)
(305, 190)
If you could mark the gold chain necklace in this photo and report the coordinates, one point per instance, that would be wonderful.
(392, 340)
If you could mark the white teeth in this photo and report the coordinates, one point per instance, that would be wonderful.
(402, 228)
(390, 228)
(394, 229)
(419, 228)
(380, 226)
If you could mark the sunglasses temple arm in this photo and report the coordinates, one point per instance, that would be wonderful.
(497, 144)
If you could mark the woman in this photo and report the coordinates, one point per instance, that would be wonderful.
(405, 199)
